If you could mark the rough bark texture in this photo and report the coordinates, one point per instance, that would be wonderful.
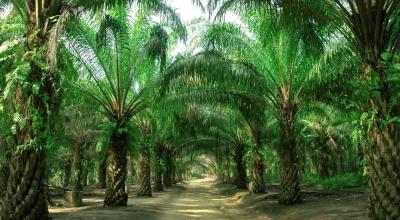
(257, 184)
(384, 156)
(144, 172)
(168, 157)
(158, 185)
(383, 149)
(324, 161)
(4, 173)
(384, 185)
(289, 162)
(102, 174)
(290, 184)
(129, 174)
(85, 175)
(167, 181)
(67, 172)
(26, 196)
(240, 150)
(118, 149)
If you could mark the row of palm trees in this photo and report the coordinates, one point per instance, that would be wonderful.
(287, 43)
(107, 51)
(267, 68)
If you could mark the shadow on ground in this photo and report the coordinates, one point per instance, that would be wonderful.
(204, 199)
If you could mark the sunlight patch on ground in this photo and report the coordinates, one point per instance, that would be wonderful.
(189, 200)
(180, 204)
(68, 210)
(198, 211)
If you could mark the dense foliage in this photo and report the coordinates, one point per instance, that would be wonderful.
(300, 92)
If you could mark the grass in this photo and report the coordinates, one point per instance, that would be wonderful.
(271, 177)
(349, 180)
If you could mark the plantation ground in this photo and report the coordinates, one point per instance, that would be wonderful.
(206, 199)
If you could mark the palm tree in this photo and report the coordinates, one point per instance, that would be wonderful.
(80, 130)
(222, 130)
(117, 98)
(257, 160)
(376, 45)
(204, 79)
(112, 59)
(324, 127)
(44, 23)
(280, 69)
(163, 133)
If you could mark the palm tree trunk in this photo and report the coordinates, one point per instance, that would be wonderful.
(324, 160)
(67, 172)
(384, 187)
(25, 197)
(341, 163)
(173, 176)
(144, 172)
(333, 165)
(38, 103)
(102, 174)
(240, 150)
(257, 184)
(290, 184)
(129, 174)
(384, 154)
(85, 176)
(4, 173)
(169, 166)
(289, 170)
(118, 149)
(158, 185)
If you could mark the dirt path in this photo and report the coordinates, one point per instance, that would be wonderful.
(199, 199)
(204, 199)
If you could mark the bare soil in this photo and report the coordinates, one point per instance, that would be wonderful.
(206, 199)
